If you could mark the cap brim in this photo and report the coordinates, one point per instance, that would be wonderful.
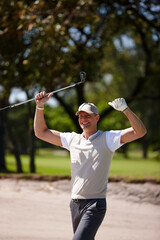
(77, 113)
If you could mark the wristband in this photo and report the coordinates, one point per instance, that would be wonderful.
(40, 108)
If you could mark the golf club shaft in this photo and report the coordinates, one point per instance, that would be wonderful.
(82, 76)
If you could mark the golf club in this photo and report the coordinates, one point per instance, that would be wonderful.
(82, 78)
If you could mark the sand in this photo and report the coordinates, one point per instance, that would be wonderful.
(39, 210)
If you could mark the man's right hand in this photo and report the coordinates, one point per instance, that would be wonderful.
(42, 98)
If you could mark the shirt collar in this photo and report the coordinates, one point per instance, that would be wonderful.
(94, 135)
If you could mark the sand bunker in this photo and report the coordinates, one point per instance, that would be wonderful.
(39, 210)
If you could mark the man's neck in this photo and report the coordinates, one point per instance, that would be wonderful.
(87, 134)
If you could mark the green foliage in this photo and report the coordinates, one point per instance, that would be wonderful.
(57, 118)
(115, 122)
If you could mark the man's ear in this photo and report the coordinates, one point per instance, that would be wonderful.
(97, 117)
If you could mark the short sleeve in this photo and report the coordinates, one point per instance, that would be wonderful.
(113, 140)
(65, 139)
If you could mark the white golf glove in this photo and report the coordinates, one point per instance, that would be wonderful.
(119, 104)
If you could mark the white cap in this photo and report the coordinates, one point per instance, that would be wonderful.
(88, 108)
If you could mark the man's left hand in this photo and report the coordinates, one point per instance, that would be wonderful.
(119, 104)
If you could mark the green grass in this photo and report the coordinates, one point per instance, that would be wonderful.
(135, 167)
(47, 163)
(52, 163)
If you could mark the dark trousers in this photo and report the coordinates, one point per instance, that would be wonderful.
(87, 216)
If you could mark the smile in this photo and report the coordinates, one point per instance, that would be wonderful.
(85, 123)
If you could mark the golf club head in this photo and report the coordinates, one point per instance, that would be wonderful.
(82, 76)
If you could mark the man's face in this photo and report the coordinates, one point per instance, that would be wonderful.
(88, 121)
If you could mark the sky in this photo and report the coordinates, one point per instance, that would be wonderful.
(17, 95)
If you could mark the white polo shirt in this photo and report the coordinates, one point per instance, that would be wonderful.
(113, 138)
(90, 162)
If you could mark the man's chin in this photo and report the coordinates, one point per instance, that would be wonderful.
(84, 126)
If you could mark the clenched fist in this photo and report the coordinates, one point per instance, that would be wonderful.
(42, 98)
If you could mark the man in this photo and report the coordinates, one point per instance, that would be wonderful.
(91, 153)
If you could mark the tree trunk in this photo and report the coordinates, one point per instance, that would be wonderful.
(145, 149)
(2, 144)
(14, 145)
(31, 151)
(31, 139)
(124, 150)
(18, 160)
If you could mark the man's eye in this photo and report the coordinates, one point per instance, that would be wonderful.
(85, 116)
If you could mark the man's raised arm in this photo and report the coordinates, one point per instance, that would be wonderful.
(137, 129)
(40, 128)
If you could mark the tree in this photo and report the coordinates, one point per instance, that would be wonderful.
(52, 41)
